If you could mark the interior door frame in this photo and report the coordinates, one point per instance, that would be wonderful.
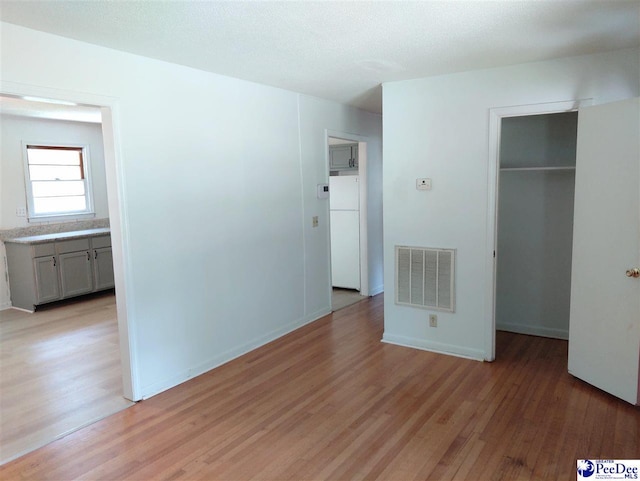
(362, 173)
(493, 181)
(118, 219)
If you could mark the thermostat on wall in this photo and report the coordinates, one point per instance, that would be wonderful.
(423, 184)
(323, 191)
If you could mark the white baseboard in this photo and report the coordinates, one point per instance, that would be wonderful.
(229, 355)
(534, 330)
(376, 290)
(5, 305)
(437, 347)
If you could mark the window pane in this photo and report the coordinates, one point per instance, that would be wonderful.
(54, 172)
(57, 188)
(53, 156)
(53, 205)
(56, 178)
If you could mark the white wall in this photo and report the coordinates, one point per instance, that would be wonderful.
(315, 116)
(218, 186)
(13, 131)
(438, 127)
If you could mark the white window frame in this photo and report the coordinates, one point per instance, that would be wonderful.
(89, 212)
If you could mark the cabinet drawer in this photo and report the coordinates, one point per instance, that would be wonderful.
(47, 249)
(102, 241)
(72, 245)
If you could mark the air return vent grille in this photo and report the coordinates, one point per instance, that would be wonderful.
(425, 277)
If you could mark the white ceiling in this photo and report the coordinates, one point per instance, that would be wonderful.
(339, 50)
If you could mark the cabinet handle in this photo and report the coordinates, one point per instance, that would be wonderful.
(54, 261)
(96, 254)
(88, 256)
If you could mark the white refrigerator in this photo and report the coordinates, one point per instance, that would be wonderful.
(344, 205)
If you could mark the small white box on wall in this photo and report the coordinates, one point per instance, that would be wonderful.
(323, 191)
(423, 184)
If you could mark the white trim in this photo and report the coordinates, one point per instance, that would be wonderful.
(89, 212)
(61, 218)
(117, 217)
(5, 305)
(30, 311)
(534, 330)
(364, 218)
(119, 224)
(431, 346)
(231, 354)
(495, 118)
(364, 225)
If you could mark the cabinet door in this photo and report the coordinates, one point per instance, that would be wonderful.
(340, 157)
(354, 156)
(47, 285)
(75, 273)
(103, 268)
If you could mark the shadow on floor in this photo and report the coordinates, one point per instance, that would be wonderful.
(341, 298)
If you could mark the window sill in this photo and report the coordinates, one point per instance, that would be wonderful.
(60, 217)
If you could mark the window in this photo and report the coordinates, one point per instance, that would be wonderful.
(57, 181)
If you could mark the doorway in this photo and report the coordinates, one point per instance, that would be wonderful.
(545, 171)
(347, 220)
(536, 181)
(58, 325)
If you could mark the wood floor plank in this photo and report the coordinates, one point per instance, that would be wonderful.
(330, 401)
(59, 370)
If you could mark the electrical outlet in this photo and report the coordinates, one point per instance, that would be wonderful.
(21, 211)
(314, 221)
(433, 320)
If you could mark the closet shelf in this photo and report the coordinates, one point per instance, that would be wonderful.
(523, 169)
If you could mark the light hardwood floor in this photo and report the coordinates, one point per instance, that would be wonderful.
(59, 371)
(330, 401)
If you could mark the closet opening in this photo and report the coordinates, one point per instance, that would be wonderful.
(535, 194)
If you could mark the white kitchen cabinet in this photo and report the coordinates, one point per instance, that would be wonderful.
(343, 157)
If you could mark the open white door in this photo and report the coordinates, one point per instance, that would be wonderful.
(604, 326)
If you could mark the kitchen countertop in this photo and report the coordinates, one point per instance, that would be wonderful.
(60, 236)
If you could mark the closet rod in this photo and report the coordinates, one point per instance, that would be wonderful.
(514, 169)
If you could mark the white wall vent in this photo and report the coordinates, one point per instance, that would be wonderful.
(425, 277)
